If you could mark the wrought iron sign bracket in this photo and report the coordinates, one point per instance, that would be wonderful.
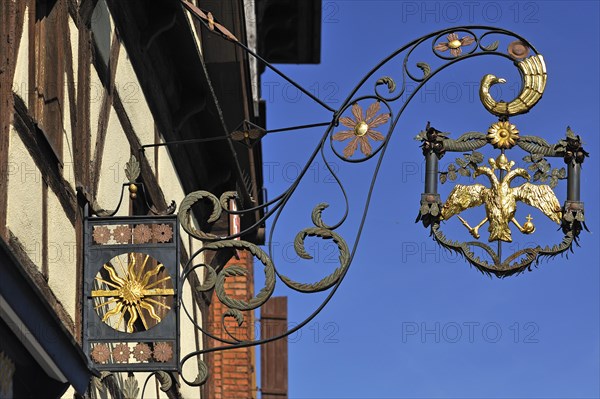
(359, 131)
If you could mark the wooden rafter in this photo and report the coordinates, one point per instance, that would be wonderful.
(103, 119)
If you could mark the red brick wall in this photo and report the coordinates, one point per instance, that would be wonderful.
(232, 371)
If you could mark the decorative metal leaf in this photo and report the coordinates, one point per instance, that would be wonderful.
(132, 169)
(435, 209)
(562, 173)
(579, 216)
(387, 81)
(464, 172)
(166, 382)
(452, 175)
(425, 68)
(316, 215)
(570, 133)
(451, 168)
(537, 175)
(461, 162)
(202, 374)
(237, 135)
(333, 278)
(476, 157)
(544, 166)
(443, 178)
(527, 158)
(533, 166)
(569, 217)
(130, 388)
(422, 136)
(553, 182)
(236, 314)
(471, 136)
(491, 47)
(560, 146)
(424, 208)
(185, 209)
(536, 157)
(209, 279)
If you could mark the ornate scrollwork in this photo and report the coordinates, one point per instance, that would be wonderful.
(333, 278)
(366, 120)
(570, 217)
(534, 76)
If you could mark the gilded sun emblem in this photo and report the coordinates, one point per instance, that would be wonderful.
(140, 291)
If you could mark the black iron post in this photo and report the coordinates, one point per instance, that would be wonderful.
(431, 173)
(573, 181)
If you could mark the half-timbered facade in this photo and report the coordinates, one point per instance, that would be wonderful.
(84, 85)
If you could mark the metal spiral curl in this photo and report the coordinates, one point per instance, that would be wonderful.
(396, 87)
(263, 295)
(333, 278)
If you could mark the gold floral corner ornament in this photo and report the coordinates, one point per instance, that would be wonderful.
(162, 232)
(454, 44)
(121, 353)
(101, 234)
(142, 233)
(163, 352)
(503, 135)
(142, 352)
(122, 234)
(361, 126)
(101, 353)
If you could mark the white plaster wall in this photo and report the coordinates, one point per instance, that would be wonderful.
(116, 155)
(67, 152)
(74, 37)
(21, 78)
(134, 103)
(96, 90)
(68, 161)
(188, 344)
(62, 255)
(24, 216)
(170, 184)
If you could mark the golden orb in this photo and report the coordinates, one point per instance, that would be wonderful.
(361, 128)
(455, 44)
(528, 227)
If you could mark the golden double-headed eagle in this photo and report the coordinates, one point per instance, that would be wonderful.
(500, 200)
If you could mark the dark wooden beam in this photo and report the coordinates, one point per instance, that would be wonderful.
(69, 71)
(33, 272)
(81, 137)
(44, 157)
(104, 115)
(11, 28)
(86, 9)
(156, 195)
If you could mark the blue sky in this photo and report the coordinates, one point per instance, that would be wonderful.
(411, 320)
